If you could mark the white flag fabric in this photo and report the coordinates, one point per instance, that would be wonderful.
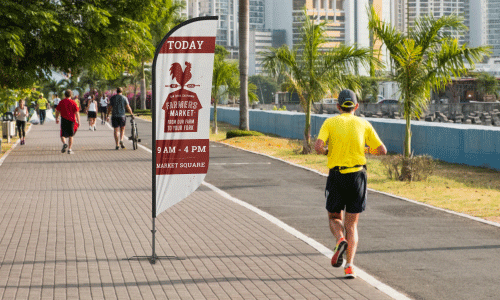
(182, 82)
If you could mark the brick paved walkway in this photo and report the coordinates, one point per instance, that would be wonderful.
(68, 223)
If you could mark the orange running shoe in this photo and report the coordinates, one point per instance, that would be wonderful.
(337, 259)
(349, 273)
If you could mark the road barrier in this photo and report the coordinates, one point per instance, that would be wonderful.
(472, 145)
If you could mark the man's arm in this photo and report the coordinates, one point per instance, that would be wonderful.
(110, 109)
(130, 110)
(381, 150)
(319, 146)
(77, 117)
(57, 116)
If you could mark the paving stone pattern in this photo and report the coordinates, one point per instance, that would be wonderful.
(68, 224)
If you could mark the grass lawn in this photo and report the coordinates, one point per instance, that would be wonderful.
(7, 146)
(470, 190)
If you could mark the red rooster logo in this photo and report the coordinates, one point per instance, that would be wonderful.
(182, 77)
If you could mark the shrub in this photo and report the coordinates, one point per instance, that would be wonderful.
(418, 167)
(280, 109)
(142, 112)
(236, 133)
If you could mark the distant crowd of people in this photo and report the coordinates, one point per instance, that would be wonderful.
(69, 110)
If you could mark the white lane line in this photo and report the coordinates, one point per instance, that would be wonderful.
(14, 146)
(316, 245)
(313, 243)
(496, 224)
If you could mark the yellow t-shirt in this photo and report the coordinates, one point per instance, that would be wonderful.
(347, 136)
(42, 103)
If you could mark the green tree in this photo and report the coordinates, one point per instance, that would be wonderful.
(244, 29)
(40, 36)
(224, 79)
(425, 58)
(369, 88)
(311, 70)
(266, 87)
(165, 16)
(487, 84)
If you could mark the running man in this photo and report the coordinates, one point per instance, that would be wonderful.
(68, 109)
(346, 184)
(117, 105)
(42, 106)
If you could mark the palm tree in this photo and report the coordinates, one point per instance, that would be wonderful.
(311, 71)
(244, 23)
(224, 79)
(487, 84)
(424, 59)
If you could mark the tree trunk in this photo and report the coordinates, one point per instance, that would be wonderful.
(214, 128)
(307, 129)
(406, 172)
(143, 88)
(244, 17)
(135, 95)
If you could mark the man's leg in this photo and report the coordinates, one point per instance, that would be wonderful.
(117, 135)
(42, 116)
(63, 140)
(122, 133)
(351, 227)
(336, 225)
(337, 229)
(70, 142)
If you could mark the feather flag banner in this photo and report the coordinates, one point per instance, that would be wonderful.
(182, 82)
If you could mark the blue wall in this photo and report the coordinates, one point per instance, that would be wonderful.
(455, 143)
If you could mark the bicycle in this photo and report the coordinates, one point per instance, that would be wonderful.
(134, 134)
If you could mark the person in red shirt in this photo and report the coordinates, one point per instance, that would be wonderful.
(70, 120)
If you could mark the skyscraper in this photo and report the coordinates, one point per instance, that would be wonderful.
(407, 11)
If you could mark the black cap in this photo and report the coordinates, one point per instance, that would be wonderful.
(347, 99)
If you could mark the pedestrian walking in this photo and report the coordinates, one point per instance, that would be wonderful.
(103, 107)
(70, 120)
(346, 186)
(117, 105)
(42, 107)
(21, 114)
(92, 112)
(55, 100)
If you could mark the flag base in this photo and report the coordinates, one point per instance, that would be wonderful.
(153, 258)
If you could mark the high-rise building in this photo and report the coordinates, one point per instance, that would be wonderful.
(407, 11)
(227, 11)
(493, 26)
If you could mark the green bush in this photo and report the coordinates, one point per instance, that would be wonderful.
(280, 109)
(236, 133)
(142, 112)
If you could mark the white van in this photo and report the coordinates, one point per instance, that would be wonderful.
(329, 101)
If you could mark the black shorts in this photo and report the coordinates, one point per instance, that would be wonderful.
(346, 191)
(103, 109)
(92, 114)
(67, 128)
(118, 121)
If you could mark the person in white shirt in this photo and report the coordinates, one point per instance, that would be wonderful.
(92, 112)
(55, 100)
(103, 107)
(21, 114)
